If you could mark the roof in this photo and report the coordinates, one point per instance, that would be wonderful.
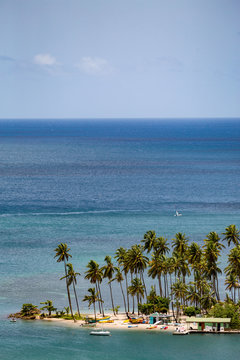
(207, 320)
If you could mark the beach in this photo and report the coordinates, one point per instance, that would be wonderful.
(117, 324)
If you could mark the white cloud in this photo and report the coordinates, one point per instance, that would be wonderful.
(45, 60)
(94, 65)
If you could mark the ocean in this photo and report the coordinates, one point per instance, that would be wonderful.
(98, 185)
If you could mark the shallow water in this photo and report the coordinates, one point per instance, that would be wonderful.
(38, 340)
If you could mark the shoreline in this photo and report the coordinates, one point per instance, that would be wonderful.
(118, 324)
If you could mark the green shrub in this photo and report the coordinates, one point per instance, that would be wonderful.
(191, 311)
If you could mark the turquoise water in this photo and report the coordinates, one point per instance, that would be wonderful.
(99, 185)
(37, 340)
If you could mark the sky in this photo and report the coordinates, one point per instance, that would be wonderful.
(119, 58)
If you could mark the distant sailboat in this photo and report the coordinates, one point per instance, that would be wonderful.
(177, 214)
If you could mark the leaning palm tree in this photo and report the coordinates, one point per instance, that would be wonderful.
(108, 271)
(232, 234)
(62, 253)
(136, 289)
(92, 298)
(72, 279)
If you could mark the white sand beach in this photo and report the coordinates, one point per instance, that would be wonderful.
(118, 323)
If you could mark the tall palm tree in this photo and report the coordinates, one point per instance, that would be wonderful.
(136, 289)
(108, 271)
(121, 256)
(62, 253)
(95, 275)
(156, 269)
(72, 280)
(92, 299)
(212, 249)
(119, 279)
(232, 234)
(179, 291)
(137, 262)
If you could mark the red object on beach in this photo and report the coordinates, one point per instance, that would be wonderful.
(166, 327)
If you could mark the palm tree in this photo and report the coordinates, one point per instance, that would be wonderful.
(62, 252)
(95, 275)
(136, 289)
(208, 299)
(48, 306)
(192, 295)
(119, 279)
(137, 262)
(121, 256)
(161, 246)
(194, 254)
(92, 298)
(149, 240)
(180, 244)
(72, 279)
(156, 269)
(212, 249)
(108, 271)
(232, 234)
(232, 284)
(179, 291)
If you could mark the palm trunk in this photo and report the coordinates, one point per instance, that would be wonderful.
(110, 286)
(160, 285)
(138, 302)
(124, 300)
(75, 293)
(101, 298)
(97, 291)
(68, 292)
(94, 311)
(127, 290)
(145, 290)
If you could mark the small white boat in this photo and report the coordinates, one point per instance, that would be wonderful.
(13, 320)
(177, 214)
(100, 333)
(181, 331)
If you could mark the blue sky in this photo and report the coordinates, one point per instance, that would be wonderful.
(119, 58)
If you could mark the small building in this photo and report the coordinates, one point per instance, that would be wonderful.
(207, 324)
(153, 318)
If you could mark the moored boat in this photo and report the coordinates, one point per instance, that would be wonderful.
(100, 333)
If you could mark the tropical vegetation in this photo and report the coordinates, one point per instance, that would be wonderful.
(184, 276)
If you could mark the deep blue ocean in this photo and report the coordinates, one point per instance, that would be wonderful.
(98, 185)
